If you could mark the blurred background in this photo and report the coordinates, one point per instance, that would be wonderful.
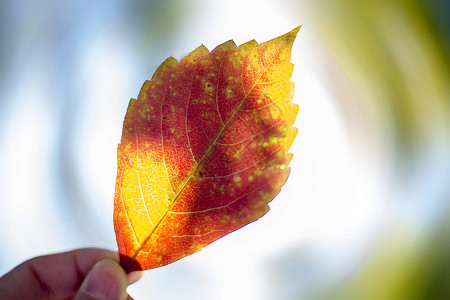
(365, 213)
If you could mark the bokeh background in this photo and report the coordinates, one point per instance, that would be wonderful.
(365, 213)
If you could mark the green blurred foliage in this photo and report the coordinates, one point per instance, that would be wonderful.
(404, 266)
(397, 58)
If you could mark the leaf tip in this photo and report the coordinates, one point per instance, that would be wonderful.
(291, 35)
(295, 31)
(286, 40)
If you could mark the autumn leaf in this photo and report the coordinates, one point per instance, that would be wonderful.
(204, 149)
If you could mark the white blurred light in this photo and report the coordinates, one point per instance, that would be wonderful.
(329, 207)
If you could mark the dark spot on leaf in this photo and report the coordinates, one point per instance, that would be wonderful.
(208, 84)
(164, 117)
(200, 173)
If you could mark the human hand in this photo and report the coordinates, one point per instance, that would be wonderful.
(84, 274)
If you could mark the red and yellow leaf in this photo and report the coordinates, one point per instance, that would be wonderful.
(204, 149)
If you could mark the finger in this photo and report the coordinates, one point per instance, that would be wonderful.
(106, 281)
(52, 276)
(134, 276)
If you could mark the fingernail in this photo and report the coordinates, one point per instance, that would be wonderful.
(104, 281)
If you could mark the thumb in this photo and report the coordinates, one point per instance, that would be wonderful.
(106, 281)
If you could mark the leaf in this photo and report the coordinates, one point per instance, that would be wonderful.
(203, 149)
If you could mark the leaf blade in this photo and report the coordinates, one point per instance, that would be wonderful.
(204, 149)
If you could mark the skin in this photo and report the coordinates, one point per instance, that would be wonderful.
(79, 274)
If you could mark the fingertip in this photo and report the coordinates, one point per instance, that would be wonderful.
(106, 280)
